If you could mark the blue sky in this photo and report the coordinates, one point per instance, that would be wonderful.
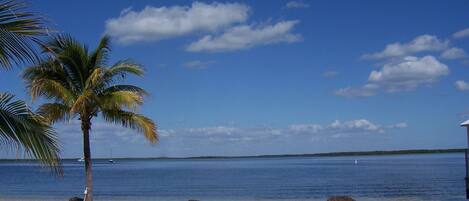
(251, 77)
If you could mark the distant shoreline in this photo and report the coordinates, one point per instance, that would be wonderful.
(328, 154)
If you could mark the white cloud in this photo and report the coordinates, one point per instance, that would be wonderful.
(462, 85)
(240, 134)
(216, 140)
(461, 34)
(330, 74)
(246, 36)
(419, 44)
(305, 128)
(338, 129)
(404, 75)
(157, 23)
(359, 125)
(454, 53)
(297, 4)
(220, 134)
(217, 134)
(409, 73)
(197, 64)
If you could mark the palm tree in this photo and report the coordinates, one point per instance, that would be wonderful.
(80, 84)
(19, 126)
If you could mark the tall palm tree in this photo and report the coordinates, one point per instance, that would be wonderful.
(80, 84)
(19, 126)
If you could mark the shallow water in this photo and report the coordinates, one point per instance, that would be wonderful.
(399, 177)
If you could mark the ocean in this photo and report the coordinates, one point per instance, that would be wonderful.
(392, 177)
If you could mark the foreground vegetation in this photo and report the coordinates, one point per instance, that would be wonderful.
(20, 128)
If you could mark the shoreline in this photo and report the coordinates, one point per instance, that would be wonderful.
(183, 198)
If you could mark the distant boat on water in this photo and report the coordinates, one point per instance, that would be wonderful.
(81, 160)
(110, 160)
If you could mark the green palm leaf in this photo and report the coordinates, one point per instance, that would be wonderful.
(19, 32)
(20, 126)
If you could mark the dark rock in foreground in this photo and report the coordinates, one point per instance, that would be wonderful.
(75, 199)
(340, 198)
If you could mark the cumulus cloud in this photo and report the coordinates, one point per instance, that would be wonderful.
(247, 36)
(297, 4)
(409, 73)
(197, 64)
(419, 44)
(401, 71)
(157, 23)
(461, 34)
(403, 75)
(454, 53)
(462, 85)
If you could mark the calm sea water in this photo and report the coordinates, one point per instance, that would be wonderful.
(401, 177)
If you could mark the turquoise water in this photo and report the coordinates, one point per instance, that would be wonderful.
(399, 177)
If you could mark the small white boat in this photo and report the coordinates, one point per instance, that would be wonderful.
(110, 160)
(81, 160)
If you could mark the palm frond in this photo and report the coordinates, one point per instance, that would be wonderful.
(20, 126)
(123, 87)
(54, 112)
(72, 57)
(58, 43)
(82, 102)
(94, 79)
(121, 99)
(99, 56)
(19, 33)
(121, 69)
(133, 121)
(50, 89)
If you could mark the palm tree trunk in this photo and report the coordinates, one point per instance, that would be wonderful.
(85, 127)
